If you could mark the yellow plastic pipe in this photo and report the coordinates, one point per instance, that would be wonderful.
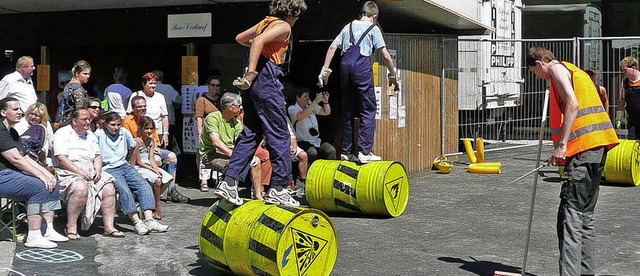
(480, 150)
(469, 150)
(485, 168)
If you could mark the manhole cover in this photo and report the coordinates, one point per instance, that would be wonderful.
(49, 256)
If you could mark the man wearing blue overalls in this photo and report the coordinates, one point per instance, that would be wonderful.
(358, 40)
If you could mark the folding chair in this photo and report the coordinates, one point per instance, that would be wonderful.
(8, 221)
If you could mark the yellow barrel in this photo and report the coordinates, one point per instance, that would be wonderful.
(377, 188)
(262, 239)
(623, 163)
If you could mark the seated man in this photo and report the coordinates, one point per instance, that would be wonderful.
(116, 144)
(22, 179)
(305, 124)
(218, 136)
(84, 186)
(139, 105)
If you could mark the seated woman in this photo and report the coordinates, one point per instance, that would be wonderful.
(94, 108)
(37, 115)
(84, 186)
(157, 177)
(22, 179)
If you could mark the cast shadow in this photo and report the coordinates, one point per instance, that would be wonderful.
(205, 202)
(201, 268)
(481, 267)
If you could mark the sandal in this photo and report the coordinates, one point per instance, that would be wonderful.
(204, 187)
(72, 235)
(114, 234)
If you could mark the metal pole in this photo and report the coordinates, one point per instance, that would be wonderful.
(535, 182)
(442, 101)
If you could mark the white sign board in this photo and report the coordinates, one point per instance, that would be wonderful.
(189, 25)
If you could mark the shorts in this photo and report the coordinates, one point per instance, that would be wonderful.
(151, 176)
(294, 157)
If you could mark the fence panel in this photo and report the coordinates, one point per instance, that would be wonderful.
(502, 101)
(498, 100)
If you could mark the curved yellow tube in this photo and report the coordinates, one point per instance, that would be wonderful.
(485, 168)
(469, 150)
(480, 150)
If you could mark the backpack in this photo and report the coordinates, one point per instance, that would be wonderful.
(32, 141)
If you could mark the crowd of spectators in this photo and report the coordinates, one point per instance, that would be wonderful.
(96, 156)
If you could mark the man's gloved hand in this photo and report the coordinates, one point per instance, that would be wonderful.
(323, 78)
(245, 82)
(394, 82)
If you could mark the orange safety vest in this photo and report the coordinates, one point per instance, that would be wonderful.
(275, 51)
(592, 127)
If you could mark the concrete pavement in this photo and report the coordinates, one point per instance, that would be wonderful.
(455, 224)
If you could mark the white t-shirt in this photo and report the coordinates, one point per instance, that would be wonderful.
(156, 108)
(13, 85)
(301, 127)
(77, 148)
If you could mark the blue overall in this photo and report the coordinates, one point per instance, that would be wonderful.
(264, 114)
(357, 94)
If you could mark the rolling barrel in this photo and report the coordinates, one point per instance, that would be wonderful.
(262, 239)
(623, 163)
(377, 188)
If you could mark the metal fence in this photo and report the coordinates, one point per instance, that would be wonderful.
(500, 100)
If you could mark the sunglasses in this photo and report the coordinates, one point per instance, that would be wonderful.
(214, 84)
(94, 106)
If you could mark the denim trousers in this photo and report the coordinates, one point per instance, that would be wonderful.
(129, 182)
(23, 187)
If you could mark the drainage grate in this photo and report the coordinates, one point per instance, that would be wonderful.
(53, 256)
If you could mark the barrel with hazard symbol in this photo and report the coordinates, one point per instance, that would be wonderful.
(263, 239)
(377, 188)
(623, 163)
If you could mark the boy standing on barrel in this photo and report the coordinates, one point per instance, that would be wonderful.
(358, 40)
(582, 133)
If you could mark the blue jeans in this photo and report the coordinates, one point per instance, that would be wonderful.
(129, 182)
(20, 186)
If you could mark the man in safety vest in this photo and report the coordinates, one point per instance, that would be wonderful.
(582, 133)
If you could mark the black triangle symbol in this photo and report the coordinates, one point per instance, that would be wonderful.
(307, 248)
(393, 189)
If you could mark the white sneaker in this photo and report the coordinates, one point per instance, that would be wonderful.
(281, 197)
(155, 226)
(55, 236)
(40, 242)
(364, 159)
(141, 228)
(228, 192)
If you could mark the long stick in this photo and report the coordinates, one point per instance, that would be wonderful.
(532, 171)
(535, 182)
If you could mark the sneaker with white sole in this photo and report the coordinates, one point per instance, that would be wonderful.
(54, 236)
(366, 158)
(282, 197)
(155, 226)
(349, 157)
(141, 228)
(40, 242)
(228, 192)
